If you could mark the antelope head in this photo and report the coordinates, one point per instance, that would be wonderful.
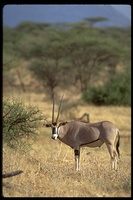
(54, 125)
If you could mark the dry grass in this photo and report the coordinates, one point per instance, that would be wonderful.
(49, 172)
(49, 166)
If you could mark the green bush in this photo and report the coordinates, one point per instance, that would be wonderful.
(20, 124)
(117, 91)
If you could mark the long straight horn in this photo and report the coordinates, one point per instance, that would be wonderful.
(59, 109)
(53, 111)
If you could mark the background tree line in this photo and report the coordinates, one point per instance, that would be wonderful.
(72, 54)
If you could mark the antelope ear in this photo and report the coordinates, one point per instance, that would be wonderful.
(47, 125)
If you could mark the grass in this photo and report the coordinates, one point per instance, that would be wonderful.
(49, 172)
(49, 166)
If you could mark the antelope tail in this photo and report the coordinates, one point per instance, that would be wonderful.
(118, 144)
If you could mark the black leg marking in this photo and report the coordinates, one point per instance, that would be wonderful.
(77, 155)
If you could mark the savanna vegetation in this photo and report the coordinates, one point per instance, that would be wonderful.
(92, 67)
(53, 53)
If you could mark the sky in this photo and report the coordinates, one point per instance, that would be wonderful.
(10, 12)
(125, 9)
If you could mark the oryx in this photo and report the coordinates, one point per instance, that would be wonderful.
(78, 134)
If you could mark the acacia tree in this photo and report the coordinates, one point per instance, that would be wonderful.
(69, 53)
(92, 20)
(123, 38)
(89, 52)
(11, 58)
(44, 54)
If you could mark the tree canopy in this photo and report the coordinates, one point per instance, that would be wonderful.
(55, 52)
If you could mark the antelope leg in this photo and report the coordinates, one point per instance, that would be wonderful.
(113, 155)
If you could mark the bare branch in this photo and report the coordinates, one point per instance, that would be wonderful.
(14, 173)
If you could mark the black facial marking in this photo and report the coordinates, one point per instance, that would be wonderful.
(54, 130)
(47, 125)
(62, 124)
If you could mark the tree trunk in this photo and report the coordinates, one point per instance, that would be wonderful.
(21, 82)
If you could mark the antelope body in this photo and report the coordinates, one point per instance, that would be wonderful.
(78, 134)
